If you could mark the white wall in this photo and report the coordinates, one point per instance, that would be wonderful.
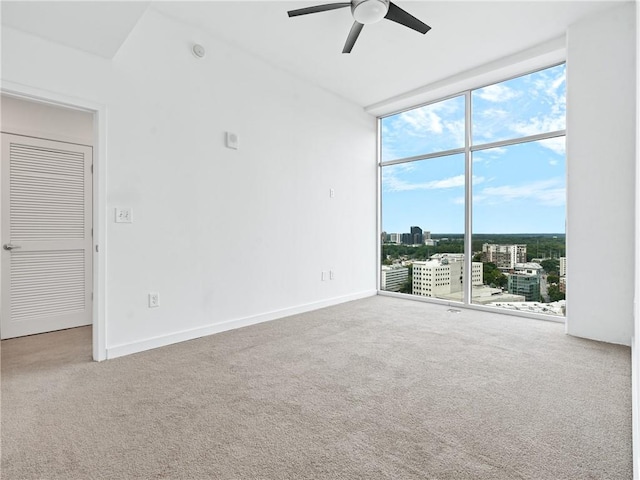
(601, 133)
(45, 121)
(635, 368)
(222, 235)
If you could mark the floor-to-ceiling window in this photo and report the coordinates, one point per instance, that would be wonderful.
(473, 196)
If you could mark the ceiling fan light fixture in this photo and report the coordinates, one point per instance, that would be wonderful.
(365, 12)
(369, 11)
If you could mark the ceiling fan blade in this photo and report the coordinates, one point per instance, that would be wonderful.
(398, 15)
(318, 9)
(353, 36)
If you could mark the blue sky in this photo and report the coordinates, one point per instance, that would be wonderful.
(516, 189)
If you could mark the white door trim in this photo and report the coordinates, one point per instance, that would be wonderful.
(99, 196)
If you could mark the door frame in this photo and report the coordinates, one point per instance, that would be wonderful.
(99, 250)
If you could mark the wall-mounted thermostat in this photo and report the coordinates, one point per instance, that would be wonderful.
(231, 140)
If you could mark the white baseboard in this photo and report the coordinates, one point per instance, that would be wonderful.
(164, 340)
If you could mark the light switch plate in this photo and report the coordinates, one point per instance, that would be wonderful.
(124, 215)
(154, 299)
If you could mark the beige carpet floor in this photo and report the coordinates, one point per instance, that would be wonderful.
(380, 388)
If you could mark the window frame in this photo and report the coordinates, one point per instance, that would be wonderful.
(468, 150)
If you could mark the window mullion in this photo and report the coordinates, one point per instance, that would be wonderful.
(467, 274)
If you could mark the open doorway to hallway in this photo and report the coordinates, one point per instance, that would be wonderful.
(47, 223)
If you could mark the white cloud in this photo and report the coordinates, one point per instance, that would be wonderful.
(553, 163)
(557, 145)
(550, 192)
(497, 93)
(401, 168)
(441, 123)
(422, 120)
(437, 119)
(550, 85)
(394, 184)
(487, 156)
(494, 113)
(541, 124)
(550, 88)
(518, 109)
(456, 132)
(542, 109)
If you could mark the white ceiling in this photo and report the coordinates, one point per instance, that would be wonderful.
(387, 60)
(99, 28)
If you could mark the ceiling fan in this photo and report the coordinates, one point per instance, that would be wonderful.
(365, 12)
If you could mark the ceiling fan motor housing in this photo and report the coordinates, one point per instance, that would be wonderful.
(369, 11)
(365, 12)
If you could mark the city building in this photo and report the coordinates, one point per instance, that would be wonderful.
(563, 284)
(393, 277)
(442, 275)
(528, 267)
(525, 282)
(416, 236)
(504, 257)
(395, 238)
(484, 295)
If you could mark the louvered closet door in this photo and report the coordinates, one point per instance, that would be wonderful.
(46, 236)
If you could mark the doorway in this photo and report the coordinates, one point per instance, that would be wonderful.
(47, 223)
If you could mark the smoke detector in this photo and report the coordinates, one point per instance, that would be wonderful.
(198, 50)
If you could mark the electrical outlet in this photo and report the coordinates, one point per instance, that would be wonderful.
(124, 215)
(323, 276)
(332, 274)
(154, 299)
(332, 193)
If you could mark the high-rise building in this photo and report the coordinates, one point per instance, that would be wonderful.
(406, 239)
(563, 266)
(505, 257)
(442, 275)
(563, 284)
(426, 235)
(525, 281)
(416, 236)
(525, 284)
(395, 238)
(393, 277)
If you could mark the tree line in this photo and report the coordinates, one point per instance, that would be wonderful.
(537, 246)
